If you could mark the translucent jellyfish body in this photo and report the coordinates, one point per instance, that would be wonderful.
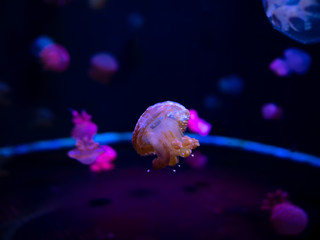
(159, 131)
(104, 162)
(286, 218)
(294, 61)
(87, 150)
(103, 67)
(52, 56)
(55, 57)
(271, 111)
(298, 19)
(197, 124)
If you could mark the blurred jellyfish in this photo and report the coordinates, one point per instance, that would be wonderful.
(298, 19)
(5, 90)
(197, 160)
(159, 131)
(97, 4)
(232, 85)
(87, 150)
(43, 118)
(286, 218)
(212, 102)
(135, 20)
(83, 126)
(52, 56)
(271, 111)
(198, 125)
(55, 57)
(103, 67)
(294, 61)
(104, 162)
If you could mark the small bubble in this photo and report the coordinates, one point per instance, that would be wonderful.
(179, 165)
(174, 170)
(148, 170)
(192, 155)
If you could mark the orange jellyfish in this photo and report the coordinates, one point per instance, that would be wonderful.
(159, 131)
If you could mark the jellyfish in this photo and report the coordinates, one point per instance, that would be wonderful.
(294, 61)
(104, 162)
(87, 150)
(39, 44)
(83, 126)
(297, 19)
(231, 85)
(55, 57)
(198, 125)
(159, 131)
(103, 67)
(271, 111)
(286, 218)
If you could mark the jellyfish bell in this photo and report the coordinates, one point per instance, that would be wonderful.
(159, 131)
(271, 111)
(55, 57)
(102, 67)
(299, 20)
(286, 218)
(298, 61)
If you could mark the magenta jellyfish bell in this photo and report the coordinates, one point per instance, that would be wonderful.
(55, 57)
(103, 67)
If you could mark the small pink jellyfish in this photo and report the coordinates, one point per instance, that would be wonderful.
(286, 218)
(198, 125)
(83, 126)
(103, 67)
(104, 161)
(294, 61)
(55, 57)
(87, 150)
(271, 111)
(197, 160)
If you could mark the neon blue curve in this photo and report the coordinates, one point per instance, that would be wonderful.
(113, 137)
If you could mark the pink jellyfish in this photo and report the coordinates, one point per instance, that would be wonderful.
(294, 61)
(55, 57)
(286, 218)
(87, 150)
(103, 67)
(104, 161)
(271, 111)
(198, 125)
(83, 126)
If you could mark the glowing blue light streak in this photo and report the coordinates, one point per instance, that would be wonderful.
(113, 138)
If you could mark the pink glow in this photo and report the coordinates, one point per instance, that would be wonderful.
(198, 125)
(86, 151)
(103, 67)
(197, 160)
(55, 57)
(83, 126)
(286, 218)
(280, 67)
(271, 111)
(294, 61)
(104, 161)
